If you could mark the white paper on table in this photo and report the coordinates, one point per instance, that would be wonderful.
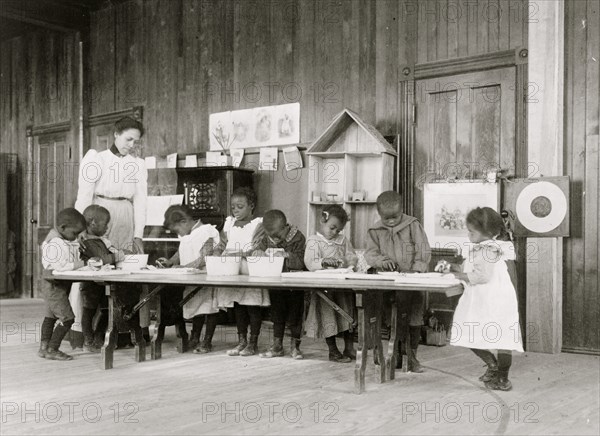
(171, 271)
(237, 155)
(191, 161)
(113, 272)
(172, 160)
(150, 162)
(157, 205)
(292, 158)
(268, 159)
(335, 271)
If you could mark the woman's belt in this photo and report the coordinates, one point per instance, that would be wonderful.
(114, 198)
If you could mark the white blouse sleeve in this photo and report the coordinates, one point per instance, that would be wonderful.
(227, 226)
(90, 172)
(140, 198)
(214, 234)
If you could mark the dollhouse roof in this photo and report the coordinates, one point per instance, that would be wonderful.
(349, 133)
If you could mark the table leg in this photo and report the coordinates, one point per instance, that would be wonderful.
(182, 336)
(392, 352)
(375, 328)
(362, 351)
(140, 344)
(407, 347)
(159, 334)
(106, 353)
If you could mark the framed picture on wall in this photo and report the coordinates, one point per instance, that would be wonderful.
(445, 210)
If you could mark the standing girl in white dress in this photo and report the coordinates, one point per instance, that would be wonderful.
(330, 249)
(241, 235)
(487, 316)
(196, 241)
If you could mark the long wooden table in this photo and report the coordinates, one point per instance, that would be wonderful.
(369, 303)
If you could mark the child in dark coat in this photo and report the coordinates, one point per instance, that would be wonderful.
(398, 243)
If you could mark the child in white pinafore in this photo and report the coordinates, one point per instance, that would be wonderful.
(487, 316)
(241, 235)
(196, 241)
(329, 249)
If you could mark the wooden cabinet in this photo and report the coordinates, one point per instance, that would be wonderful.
(351, 163)
(207, 190)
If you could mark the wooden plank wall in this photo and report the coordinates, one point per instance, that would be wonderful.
(184, 59)
(36, 87)
(581, 317)
(449, 29)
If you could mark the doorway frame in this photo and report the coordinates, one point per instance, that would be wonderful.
(517, 58)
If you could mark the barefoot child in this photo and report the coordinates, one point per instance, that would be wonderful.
(60, 252)
(286, 305)
(330, 249)
(489, 300)
(197, 241)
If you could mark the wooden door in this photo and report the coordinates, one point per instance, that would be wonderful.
(465, 125)
(3, 225)
(54, 175)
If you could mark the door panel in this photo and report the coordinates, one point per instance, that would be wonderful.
(51, 183)
(465, 126)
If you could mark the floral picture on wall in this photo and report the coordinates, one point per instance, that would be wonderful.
(446, 206)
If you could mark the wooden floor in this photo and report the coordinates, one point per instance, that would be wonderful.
(218, 394)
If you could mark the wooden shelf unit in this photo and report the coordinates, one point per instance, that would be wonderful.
(349, 156)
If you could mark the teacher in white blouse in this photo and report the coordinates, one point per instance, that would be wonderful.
(118, 181)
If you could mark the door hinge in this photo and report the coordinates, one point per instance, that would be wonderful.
(414, 114)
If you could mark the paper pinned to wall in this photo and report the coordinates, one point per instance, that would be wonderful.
(268, 159)
(213, 158)
(237, 155)
(191, 161)
(172, 160)
(292, 158)
(150, 162)
(156, 207)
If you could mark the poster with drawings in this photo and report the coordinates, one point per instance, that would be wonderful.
(445, 210)
(220, 128)
(243, 127)
(287, 124)
(257, 127)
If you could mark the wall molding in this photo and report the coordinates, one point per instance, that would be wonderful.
(469, 64)
(136, 112)
(47, 129)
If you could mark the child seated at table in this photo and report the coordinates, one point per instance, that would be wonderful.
(241, 234)
(331, 249)
(60, 252)
(95, 245)
(282, 239)
(197, 241)
(398, 243)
